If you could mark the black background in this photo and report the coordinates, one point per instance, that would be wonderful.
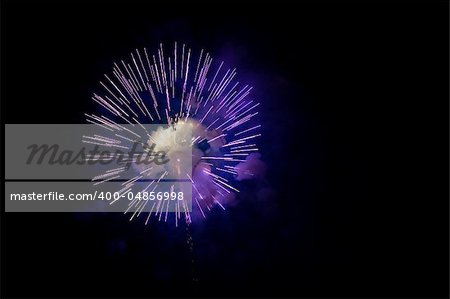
(355, 106)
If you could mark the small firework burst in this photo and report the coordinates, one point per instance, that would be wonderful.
(196, 97)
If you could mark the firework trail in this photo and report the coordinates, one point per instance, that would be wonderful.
(188, 92)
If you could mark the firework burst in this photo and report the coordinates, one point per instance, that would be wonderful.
(186, 92)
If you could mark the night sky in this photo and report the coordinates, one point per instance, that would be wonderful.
(354, 107)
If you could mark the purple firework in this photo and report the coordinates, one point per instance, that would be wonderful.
(185, 91)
